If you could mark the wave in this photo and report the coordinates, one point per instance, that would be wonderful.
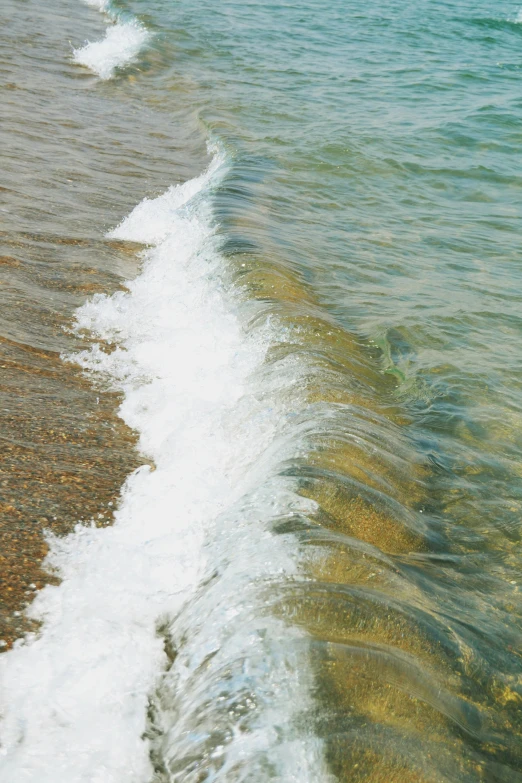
(122, 43)
(100, 5)
(158, 633)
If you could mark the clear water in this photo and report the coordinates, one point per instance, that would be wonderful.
(321, 356)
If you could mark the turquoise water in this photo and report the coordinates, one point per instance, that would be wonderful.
(369, 207)
(376, 158)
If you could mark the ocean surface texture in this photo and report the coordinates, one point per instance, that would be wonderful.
(261, 392)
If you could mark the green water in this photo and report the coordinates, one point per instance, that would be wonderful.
(376, 161)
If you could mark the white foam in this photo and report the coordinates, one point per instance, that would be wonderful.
(121, 44)
(100, 5)
(74, 699)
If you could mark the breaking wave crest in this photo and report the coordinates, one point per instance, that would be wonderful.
(156, 635)
(121, 44)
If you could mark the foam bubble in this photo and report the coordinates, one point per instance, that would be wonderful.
(75, 699)
(121, 44)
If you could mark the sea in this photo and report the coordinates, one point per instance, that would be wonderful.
(261, 391)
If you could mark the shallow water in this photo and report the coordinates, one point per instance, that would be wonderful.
(317, 577)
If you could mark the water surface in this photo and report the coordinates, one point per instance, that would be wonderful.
(321, 358)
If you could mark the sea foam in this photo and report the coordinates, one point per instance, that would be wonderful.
(121, 44)
(100, 5)
(76, 698)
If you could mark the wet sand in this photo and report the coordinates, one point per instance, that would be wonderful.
(65, 456)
